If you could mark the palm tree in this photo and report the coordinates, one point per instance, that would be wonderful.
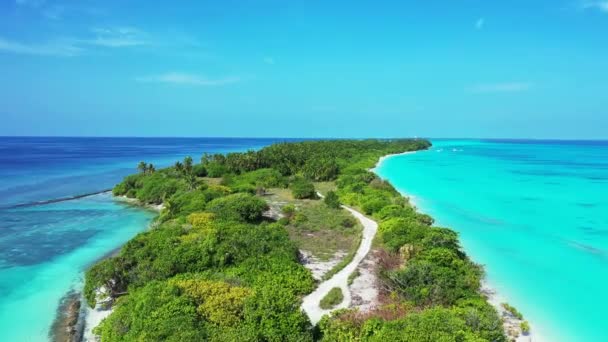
(188, 172)
(179, 167)
(151, 168)
(188, 164)
(142, 167)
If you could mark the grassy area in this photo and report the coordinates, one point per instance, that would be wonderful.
(347, 259)
(211, 181)
(333, 298)
(316, 228)
(353, 276)
(325, 187)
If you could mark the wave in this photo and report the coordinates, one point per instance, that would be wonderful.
(55, 200)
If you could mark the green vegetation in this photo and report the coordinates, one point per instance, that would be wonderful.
(332, 298)
(214, 268)
(331, 200)
(512, 310)
(325, 187)
(353, 276)
(238, 207)
(316, 228)
(345, 261)
(302, 188)
(525, 327)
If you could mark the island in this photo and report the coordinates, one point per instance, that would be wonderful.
(297, 241)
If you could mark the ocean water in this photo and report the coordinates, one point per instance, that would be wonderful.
(44, 249)
(535, 213)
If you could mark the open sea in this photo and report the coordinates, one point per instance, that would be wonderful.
(535, 213)
(45, 248)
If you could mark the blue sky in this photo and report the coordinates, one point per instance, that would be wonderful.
(312, 68)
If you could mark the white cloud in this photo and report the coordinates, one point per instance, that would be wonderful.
(117, 37)
(480, 23)
(69, 46)
(179, 78)
(601, 5)
(269, 60)
(508, 87)
(63, 48)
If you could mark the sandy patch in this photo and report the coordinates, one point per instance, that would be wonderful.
(364, 289)
(310, 303)
(134, 201)
(317, 267)
(511, 323)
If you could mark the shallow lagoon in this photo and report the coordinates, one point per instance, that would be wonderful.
(533, 212)
(44, 249)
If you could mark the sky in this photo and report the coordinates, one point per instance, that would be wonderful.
(305, 68)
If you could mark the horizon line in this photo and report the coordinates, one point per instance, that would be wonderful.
(295, 138)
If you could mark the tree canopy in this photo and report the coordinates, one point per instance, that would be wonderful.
(212, 267)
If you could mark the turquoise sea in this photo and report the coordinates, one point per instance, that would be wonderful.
(535, 213)
(44, 248)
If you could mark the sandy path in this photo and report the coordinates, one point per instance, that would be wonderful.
(310, 303)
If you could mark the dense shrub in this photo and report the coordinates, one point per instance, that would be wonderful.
(199, 170)
(212, 269)
(267, 178)
(217, 302)
(184, 203)
(331, 200)
(371, 205)
(239, 207)
(320, 169)
(155, 312)
(302, 188)
(215, 169)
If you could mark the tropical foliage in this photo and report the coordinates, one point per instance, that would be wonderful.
(212, 267)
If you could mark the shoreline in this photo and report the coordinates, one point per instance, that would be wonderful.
(88, 318)
(135, 202)
(493, 297)
(92, 317)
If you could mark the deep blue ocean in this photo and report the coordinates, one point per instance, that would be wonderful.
(44, 249)
(535, 213)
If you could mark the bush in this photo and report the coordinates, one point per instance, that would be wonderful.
(201, 221)
(157, 187)
(302, 188)
(321, 169)
(288, 210)
(238, 207)
(398, 231)
(184, 203)
(348, 222)
(395, 210)
(525, 327)
(218, 302)
(332, 298)
(300, 218)
(199, 170)
(373, 204)
(332, 200)
(154, 313)
(512, 310)
(215, 169)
